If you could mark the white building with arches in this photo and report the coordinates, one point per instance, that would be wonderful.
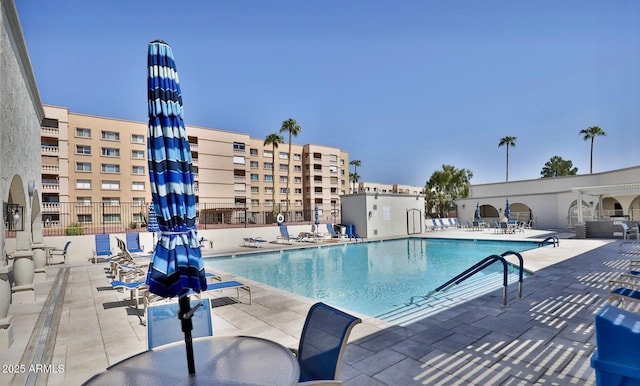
(558, 202)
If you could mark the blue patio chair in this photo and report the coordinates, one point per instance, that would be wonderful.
(59, 252)
(163, 325)
(284, 235)
(322, 344)
(133, 242)
(103, 247)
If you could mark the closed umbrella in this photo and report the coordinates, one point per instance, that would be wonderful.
(507, 210)
(176, 267)
(316, 213)
(477, 216)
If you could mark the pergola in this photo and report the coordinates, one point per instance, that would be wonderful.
(601, 191)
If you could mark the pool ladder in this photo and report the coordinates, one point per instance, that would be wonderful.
(484, 263)
(553, 240)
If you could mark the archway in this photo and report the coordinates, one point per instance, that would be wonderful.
(521, 212)
(588, 212)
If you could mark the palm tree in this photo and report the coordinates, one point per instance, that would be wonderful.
(591, 134)
(356, 163)
(274, 140)
(508, 141)
(292, 127)
(354, 177)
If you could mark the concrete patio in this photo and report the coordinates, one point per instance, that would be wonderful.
(80, 326)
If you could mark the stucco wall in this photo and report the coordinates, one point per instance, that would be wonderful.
(380, 215)
(20, 111)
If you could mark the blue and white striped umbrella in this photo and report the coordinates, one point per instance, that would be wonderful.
(176, 265)
(152, 221)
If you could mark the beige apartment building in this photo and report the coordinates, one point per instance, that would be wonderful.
(95, 174)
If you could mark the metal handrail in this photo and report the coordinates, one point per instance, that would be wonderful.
(484, 263)
(553, 240)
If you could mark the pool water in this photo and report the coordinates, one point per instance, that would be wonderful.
(371, 278)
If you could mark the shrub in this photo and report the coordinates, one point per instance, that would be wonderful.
(74, 229)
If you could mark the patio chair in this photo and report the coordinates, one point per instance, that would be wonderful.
(163, 325)
(630, 232)
(133, 243)
(254, 242)
(322, 344)
(625, 288)
(103, 247)
(284, 235)
(59, 252)
(134, 288)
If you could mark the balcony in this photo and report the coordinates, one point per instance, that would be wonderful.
(50, 207)
(50, 169)
(193, 145)
(49, 132)
(50, 188)
(50, 150)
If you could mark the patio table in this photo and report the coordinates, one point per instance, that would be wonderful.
(226, 360)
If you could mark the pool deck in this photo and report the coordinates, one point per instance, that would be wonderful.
(545, 338)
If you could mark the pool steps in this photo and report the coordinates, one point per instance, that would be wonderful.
(439, 301)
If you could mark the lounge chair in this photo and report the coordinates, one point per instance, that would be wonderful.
(163, 325)
(322, 344)
(333, 234)
(630, 232)
(254, 242)
(103, 247)
(133, 243)
(284, 235)
(624, 288)
(134, 288)
(59, 252)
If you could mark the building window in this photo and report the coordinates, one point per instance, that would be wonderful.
(333, 169)
(239, 160)
(317, 189)
(137, 138)
(83, 201)
(297, 180)
(268, 190)
(81, 132)
(268, 177)
(297, 168)
(239, 187)
(110, 152)
(50, 123)
(268, 165)
(137, 169)
(83, 184)
(137, 186)
(111, 135)
(110, 185)
(283, 167)
(296, 157)
(238, 146)
(255, 177)
(283, 179)
(83, 166)
(267, 153)
(111, 218)
(110, 168)
(84, 218)
(83, 149)
(138, 201)
(253, 151)
(283, 190)
(298, 190)
(254, 164)
(255, 189)
(268, 202)
(333, 158)
(283, 155)
(137, 154)
(111, 201)
(255, 202)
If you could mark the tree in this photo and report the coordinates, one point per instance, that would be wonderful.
(556, 167)
(274, 140)
(356, 164)
(507, 141)
(590, 134)
(445, 186)
(290, 126)
(354, 177)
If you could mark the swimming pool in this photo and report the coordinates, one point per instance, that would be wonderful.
(371, 278)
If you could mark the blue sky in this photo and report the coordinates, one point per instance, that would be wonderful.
(403, 86)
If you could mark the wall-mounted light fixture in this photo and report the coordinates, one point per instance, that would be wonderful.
(13, 217)
(462, 206)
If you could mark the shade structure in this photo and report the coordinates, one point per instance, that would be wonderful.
(316, 213)
(477, 214)
(507, 210)
(176, 265)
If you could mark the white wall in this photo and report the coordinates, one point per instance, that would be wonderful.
(380, 215)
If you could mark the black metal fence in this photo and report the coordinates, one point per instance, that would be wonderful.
(81, 218)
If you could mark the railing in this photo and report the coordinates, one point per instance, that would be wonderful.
(49, 149)
(484, 263)
(551, 240)
(49, 132)
(49, 168)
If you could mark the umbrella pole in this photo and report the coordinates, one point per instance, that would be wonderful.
(187, 327)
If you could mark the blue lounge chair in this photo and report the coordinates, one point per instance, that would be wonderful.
(322, 344)
(134, 288)
(231, 284)
(133, 242)
(59, 252)
(284, 235)
(163, 325)
(103, 247)
(254, 242)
